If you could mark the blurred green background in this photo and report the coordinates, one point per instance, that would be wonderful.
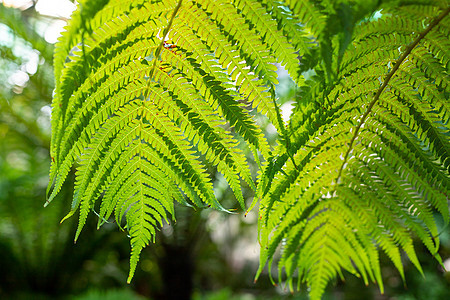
(205, 255)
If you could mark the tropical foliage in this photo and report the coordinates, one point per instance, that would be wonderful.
(151, 94)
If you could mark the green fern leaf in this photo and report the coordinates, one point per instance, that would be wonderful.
(145, 92)
(370, 155)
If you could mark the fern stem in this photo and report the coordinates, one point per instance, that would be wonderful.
(160, 47)
(408, 50)
(284, 133)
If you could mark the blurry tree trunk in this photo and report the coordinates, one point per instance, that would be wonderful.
(177, 268)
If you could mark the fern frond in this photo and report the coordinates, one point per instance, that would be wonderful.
(145, 91)
(371, 156)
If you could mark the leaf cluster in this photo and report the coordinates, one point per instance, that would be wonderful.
(149, 93)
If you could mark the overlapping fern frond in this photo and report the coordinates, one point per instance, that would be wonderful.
(144, 92)
(370, 154)
(146, 89)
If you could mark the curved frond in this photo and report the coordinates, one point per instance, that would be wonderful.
(370, 156)
(145, 91)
